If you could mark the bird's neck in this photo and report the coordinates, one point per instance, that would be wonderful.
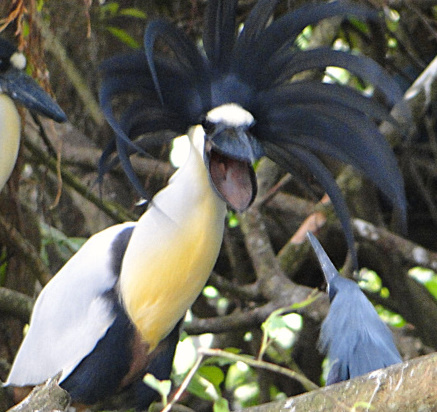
(10, 129)
(173, 248)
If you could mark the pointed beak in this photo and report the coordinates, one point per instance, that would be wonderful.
(229, 155)
(23, 89)
(328, 268)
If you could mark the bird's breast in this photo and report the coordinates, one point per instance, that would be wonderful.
(169, 259)
(10, 129)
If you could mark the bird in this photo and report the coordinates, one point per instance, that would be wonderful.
(255, 73)
(79, 327)
(234, 100)
(353, 335)
(17, 86)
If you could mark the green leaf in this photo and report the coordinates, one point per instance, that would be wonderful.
(213, 374)
(233, 220)
(431, 285)
(202, 388)
(206, 383)
(162, 387)
(362, 405)
(109, 9)
(238, 374)
(132, 12)
(3, 266)
(123, 36)
(221, 405)
(39, 5)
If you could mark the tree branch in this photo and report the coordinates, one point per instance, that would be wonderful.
(113, 210)
(15, 304)
(409, 386)
(18, 244)
(54, 46)
(48, 397)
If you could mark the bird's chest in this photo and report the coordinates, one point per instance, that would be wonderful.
(167, 263)
(9, 137)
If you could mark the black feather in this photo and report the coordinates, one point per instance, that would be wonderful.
(219, 32)
(367, 69)
(321, 173)
(255, 69)
(187, 56)
(254, 25)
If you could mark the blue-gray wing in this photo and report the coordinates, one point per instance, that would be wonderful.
(354, 337)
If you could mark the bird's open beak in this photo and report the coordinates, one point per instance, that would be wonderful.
(23, 89)
(229, 157)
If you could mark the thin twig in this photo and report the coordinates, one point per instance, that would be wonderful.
(113, 210)
(27, 252)
(306, 383)
(184, 384)
(54, 46)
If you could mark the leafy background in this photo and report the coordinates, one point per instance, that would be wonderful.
(261, 302)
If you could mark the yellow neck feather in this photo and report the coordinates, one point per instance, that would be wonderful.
(173, 248)
(10, 129)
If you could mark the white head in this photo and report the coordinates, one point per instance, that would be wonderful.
(230, 115)
(18, 60)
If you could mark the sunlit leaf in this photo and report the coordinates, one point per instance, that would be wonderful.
(247, 394)
(392, 318)
(123, 36)
(109, 9)
(233, 220)
(272, 324)
(210, 292)
(431, 285)
(238, 374)
(162, 387)
(221, 405)
(213, 374)
(203, 388)
(131, 12)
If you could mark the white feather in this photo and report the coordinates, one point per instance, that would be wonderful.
(18, 60)
(70, 315)
(230, 114)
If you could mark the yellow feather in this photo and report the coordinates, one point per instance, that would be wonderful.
(173, 248)
(9, 137)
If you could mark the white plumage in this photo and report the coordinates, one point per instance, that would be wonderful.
(170, 254)
(70, 315)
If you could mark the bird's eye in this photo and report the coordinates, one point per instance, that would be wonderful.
(208, 126)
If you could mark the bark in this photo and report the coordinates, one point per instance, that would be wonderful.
(48, 397)
(409, 386)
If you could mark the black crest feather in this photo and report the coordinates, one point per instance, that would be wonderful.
(295, 121)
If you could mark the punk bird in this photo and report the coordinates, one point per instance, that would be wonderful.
(248, 93)
(17, 86)
(234, 99)
(353, 335)
(158, 265)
